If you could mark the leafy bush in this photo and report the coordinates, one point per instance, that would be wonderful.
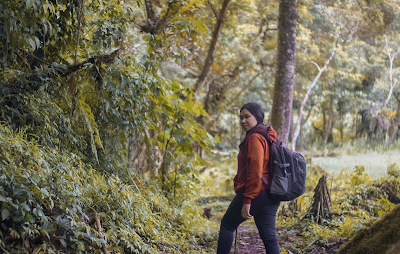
(393, 170)
(49, 200)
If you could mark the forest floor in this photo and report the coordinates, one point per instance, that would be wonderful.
(248, 241)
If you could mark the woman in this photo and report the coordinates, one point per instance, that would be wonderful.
(252, 198)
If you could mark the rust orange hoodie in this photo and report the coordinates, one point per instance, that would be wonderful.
(249, 181)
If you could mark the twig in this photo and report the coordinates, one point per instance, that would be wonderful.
(79, 31)
(312, 242)
(23, 60)
(99, 230)
(37, 58)
(235, 241)
(5, 251)
(213, 9)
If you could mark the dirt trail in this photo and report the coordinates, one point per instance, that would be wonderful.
(248, 240)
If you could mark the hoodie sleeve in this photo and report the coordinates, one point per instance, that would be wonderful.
(255, 158)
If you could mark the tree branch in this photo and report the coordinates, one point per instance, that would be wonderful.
(149, 10)
(213, 46)
(246, 86)
(392, 83)
(106, 59)
(34, 79)
(213, 9)
(100, 231)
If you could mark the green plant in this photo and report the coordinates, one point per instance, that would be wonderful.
(359, 177)
(393, 170)
(49, 200)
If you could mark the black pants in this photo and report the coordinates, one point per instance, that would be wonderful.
(263, 209)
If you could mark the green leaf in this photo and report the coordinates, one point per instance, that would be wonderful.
(32, 43)
(37, 41)
(29, 218)
(29, 4)
(35, 177)
(62, 241)
(19, 191)
(5, 214)
(153, 141)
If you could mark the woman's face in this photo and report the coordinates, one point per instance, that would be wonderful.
(247, 120)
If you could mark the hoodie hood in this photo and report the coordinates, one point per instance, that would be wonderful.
(266, 130)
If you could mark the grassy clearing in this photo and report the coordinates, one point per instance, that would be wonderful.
(374, 162)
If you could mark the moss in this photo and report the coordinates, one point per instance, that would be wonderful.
(377, 238)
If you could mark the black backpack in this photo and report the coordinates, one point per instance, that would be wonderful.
(287, 171)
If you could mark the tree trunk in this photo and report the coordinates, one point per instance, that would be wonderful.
(284, 77)
(291, 133)
(303, 103)
(394, 121)
(213, 46)
(392, 82)
(329, 125)
(302, 141)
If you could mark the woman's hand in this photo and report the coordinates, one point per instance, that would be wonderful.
(246, 211)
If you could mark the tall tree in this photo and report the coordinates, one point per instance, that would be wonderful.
(314, 82)
(393, 82)
(283, 89)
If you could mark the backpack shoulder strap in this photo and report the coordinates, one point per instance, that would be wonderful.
(266, 136)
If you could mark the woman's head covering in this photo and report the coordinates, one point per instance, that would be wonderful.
(256, 110)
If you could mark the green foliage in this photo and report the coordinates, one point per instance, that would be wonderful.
(92, 128)
(358, 176)
(393, 170)
(50, 195)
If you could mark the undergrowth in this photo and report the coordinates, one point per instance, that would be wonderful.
(49, 201)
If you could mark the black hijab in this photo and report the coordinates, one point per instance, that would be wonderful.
(256, 110)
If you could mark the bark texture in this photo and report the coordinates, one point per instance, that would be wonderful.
(321, 200)
(284, 77)
(328, 127)
(383, 236)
